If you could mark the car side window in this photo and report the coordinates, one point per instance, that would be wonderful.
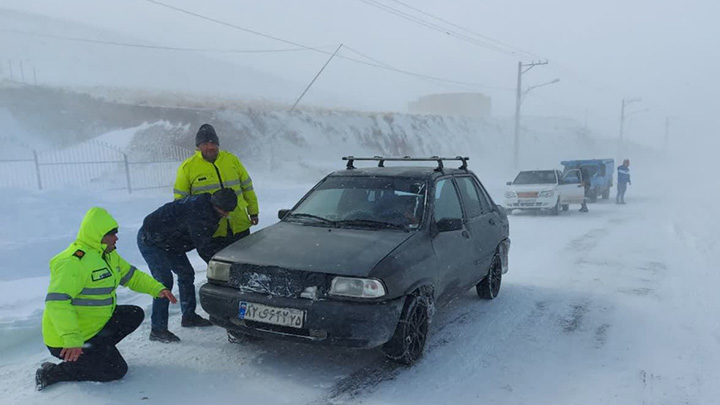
(471, 198)
(485, 199)
(447, 203)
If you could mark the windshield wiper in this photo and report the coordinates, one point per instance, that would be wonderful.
(370, 223)
(303, 215)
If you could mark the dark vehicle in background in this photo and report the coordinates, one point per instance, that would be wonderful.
(363, 259)
(600, 172)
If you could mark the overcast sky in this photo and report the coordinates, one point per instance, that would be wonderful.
(663, 51)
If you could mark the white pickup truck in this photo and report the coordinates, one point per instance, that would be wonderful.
(544, 190)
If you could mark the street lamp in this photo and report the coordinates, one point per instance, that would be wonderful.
(535, 87)
(519, 97)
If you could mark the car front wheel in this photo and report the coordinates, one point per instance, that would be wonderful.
(556, 209)
(408, 342)
(489, 287)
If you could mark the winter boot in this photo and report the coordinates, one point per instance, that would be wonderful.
(164, 336)
(42, 377)
(194, 320)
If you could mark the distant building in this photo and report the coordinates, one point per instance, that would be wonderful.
(465, 104)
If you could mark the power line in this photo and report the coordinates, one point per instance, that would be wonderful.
(517, 51)
(376, 65)
(387, 65)
(438, 28)
(156, 47)
(450, 23)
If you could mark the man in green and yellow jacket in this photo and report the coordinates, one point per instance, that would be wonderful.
(211, 169)
(82, 322)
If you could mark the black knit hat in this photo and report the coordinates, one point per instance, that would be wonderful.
(206, 133)
(225, 199)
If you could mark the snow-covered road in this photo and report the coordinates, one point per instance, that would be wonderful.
(617, 306)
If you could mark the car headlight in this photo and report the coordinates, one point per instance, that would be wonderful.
(510, 194)
(218, 270)
(547, 193)
(357, 287)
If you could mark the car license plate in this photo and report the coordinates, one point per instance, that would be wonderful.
(294, 318)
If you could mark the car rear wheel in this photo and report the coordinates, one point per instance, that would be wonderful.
(489, 287)
(408, 342)
(592, 195)
(606, 194)
(565, 207)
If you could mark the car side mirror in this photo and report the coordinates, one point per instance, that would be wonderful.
(501, 209)
(282, 213)
(449, 224)
(509, 183)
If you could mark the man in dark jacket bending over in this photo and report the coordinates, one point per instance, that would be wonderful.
(164, 239)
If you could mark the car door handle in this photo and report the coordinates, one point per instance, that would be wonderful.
(580, 185)
(491, 221)
(466, 234)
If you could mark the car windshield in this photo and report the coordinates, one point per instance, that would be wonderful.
(588, 170)
(536, 177)
(353, 201)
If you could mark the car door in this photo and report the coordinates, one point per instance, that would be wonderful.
(450, 247)
(571, 188)
(480, 223)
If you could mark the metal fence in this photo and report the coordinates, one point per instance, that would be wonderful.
(91, 164)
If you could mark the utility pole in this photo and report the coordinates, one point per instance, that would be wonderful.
(621, 141)
(522, 69)
(315, 78)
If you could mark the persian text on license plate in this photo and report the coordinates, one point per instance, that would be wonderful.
(291, 317)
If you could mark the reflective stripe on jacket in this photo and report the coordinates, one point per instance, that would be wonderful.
(196, 176)
(81, 297)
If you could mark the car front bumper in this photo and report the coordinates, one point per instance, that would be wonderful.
(538, 203)
(329, 322)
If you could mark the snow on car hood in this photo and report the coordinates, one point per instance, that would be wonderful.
(341, 251)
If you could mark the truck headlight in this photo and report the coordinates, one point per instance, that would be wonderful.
(510, 194)
(547, 193)
(357, 287)
(218, 271)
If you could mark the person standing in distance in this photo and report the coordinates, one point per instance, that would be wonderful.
(623, 181)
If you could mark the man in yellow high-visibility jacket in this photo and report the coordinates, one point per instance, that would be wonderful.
(82, 322)
(211, 169)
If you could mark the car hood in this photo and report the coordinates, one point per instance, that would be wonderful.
(532, 187)
(341, 251)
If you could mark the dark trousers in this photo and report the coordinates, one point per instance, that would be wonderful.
(101, 360)
(621, 189)
(162, 266)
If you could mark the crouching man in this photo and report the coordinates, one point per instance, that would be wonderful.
(82, 323)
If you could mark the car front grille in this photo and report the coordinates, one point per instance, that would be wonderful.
(276, 281)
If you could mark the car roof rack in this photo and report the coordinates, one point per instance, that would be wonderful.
(382, 159)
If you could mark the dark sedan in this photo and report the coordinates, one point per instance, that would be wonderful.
(363, 258)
